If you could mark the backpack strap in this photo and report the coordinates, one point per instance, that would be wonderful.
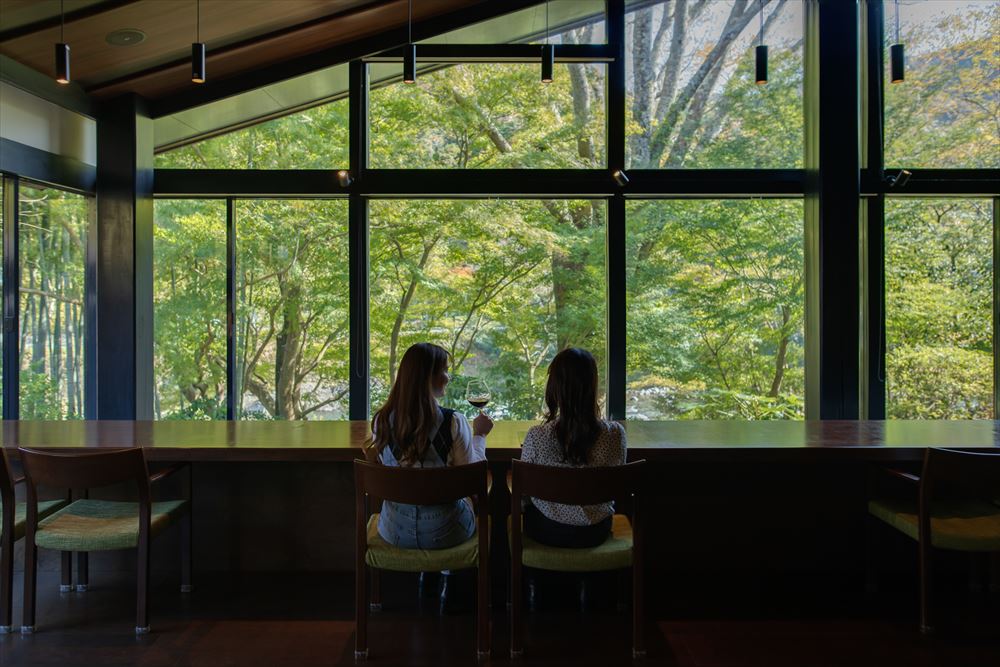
(441, 442)
(442, 439)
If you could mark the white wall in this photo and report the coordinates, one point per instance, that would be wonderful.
(35, 122)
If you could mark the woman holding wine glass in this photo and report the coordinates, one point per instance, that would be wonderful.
(413, 430)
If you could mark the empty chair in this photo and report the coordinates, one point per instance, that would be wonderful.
(100, 525)
(954, 504)
(419, 486)
(12, 522)
(578, 486)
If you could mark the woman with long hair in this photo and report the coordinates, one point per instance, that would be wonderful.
(573, 435)
(412, 430)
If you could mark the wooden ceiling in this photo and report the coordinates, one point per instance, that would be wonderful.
(242, 35)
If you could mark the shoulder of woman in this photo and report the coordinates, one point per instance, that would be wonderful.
(615, 428)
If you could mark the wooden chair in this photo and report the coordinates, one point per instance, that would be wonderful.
(578, 486)
(12, 523)
(953, 504)
(100, 525)
(419, 486)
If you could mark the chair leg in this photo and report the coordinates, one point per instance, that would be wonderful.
(624, 585)
(361, 612)
(142, 589)
(871, 554)
(66, 584)
(638, 615)
(82, 571)
(6, 579)
(926, 627)
(30, 581)
(516, 629)
(375, 599)
(186, 553)
(483, 602)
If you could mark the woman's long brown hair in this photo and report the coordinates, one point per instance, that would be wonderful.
(411, 403)
(571, 403)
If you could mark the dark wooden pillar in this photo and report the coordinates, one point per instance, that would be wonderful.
(120, 258)
(833, 207)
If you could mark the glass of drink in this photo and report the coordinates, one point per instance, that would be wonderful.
(477, 393)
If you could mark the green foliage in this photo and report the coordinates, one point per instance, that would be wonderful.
(714, 288)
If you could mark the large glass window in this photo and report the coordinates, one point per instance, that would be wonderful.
(692, 98)
(482, 115)
(312, 139)
(502, 285)
(715, 310)
(939, 309)
(292, 317)
(945, 112)
(189, 309)
(52, 244)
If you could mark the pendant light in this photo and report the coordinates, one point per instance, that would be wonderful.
(410, 50)
(896, 58)
(548, 51)
(62, 48)
(761, 73)
(198, 51)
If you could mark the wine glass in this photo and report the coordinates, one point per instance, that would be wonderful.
(477, 393)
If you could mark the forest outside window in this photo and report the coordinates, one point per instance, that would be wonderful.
(944, 115)
(292, 318)
(503, 285)
(491, 115)
(52, 243)
(939, 308)
(715, 310)
(189, 309)
(692, 98)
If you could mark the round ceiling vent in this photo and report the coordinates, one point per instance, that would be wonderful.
(125, 37)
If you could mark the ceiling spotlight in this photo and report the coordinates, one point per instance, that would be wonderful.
(344, 178)
(619, 177)
(410, 50)
(896, 58)
(761, 61)
(62, 48)
(198, 72)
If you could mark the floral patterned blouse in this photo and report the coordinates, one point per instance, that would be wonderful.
(542, 448)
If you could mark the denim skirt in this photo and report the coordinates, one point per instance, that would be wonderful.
(427, 526)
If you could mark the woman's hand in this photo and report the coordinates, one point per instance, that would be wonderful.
(482, 425)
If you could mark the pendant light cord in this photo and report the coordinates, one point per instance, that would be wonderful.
(409, 21)
(198, 19)
(897, 21)
(762, 22)
(546, 21)
(62, 21)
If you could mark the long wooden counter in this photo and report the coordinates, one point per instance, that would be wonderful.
(340, 441)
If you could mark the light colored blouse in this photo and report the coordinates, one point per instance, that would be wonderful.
(541, 447)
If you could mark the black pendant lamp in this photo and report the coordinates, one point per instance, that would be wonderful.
(761, 64)
(410, 50)
(896, 58)
(198, 74)
(62, 48)
(548, 51)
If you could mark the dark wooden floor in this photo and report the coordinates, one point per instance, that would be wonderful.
(306, 620)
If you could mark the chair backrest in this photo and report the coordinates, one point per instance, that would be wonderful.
(577, 486)
(420, 486)
(6, 479)
(85, 470)
(957, 473)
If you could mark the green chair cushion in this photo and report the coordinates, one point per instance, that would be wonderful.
(965, 526)
(45, 508)
(385, 556)
(614, 554)
(102, 525)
